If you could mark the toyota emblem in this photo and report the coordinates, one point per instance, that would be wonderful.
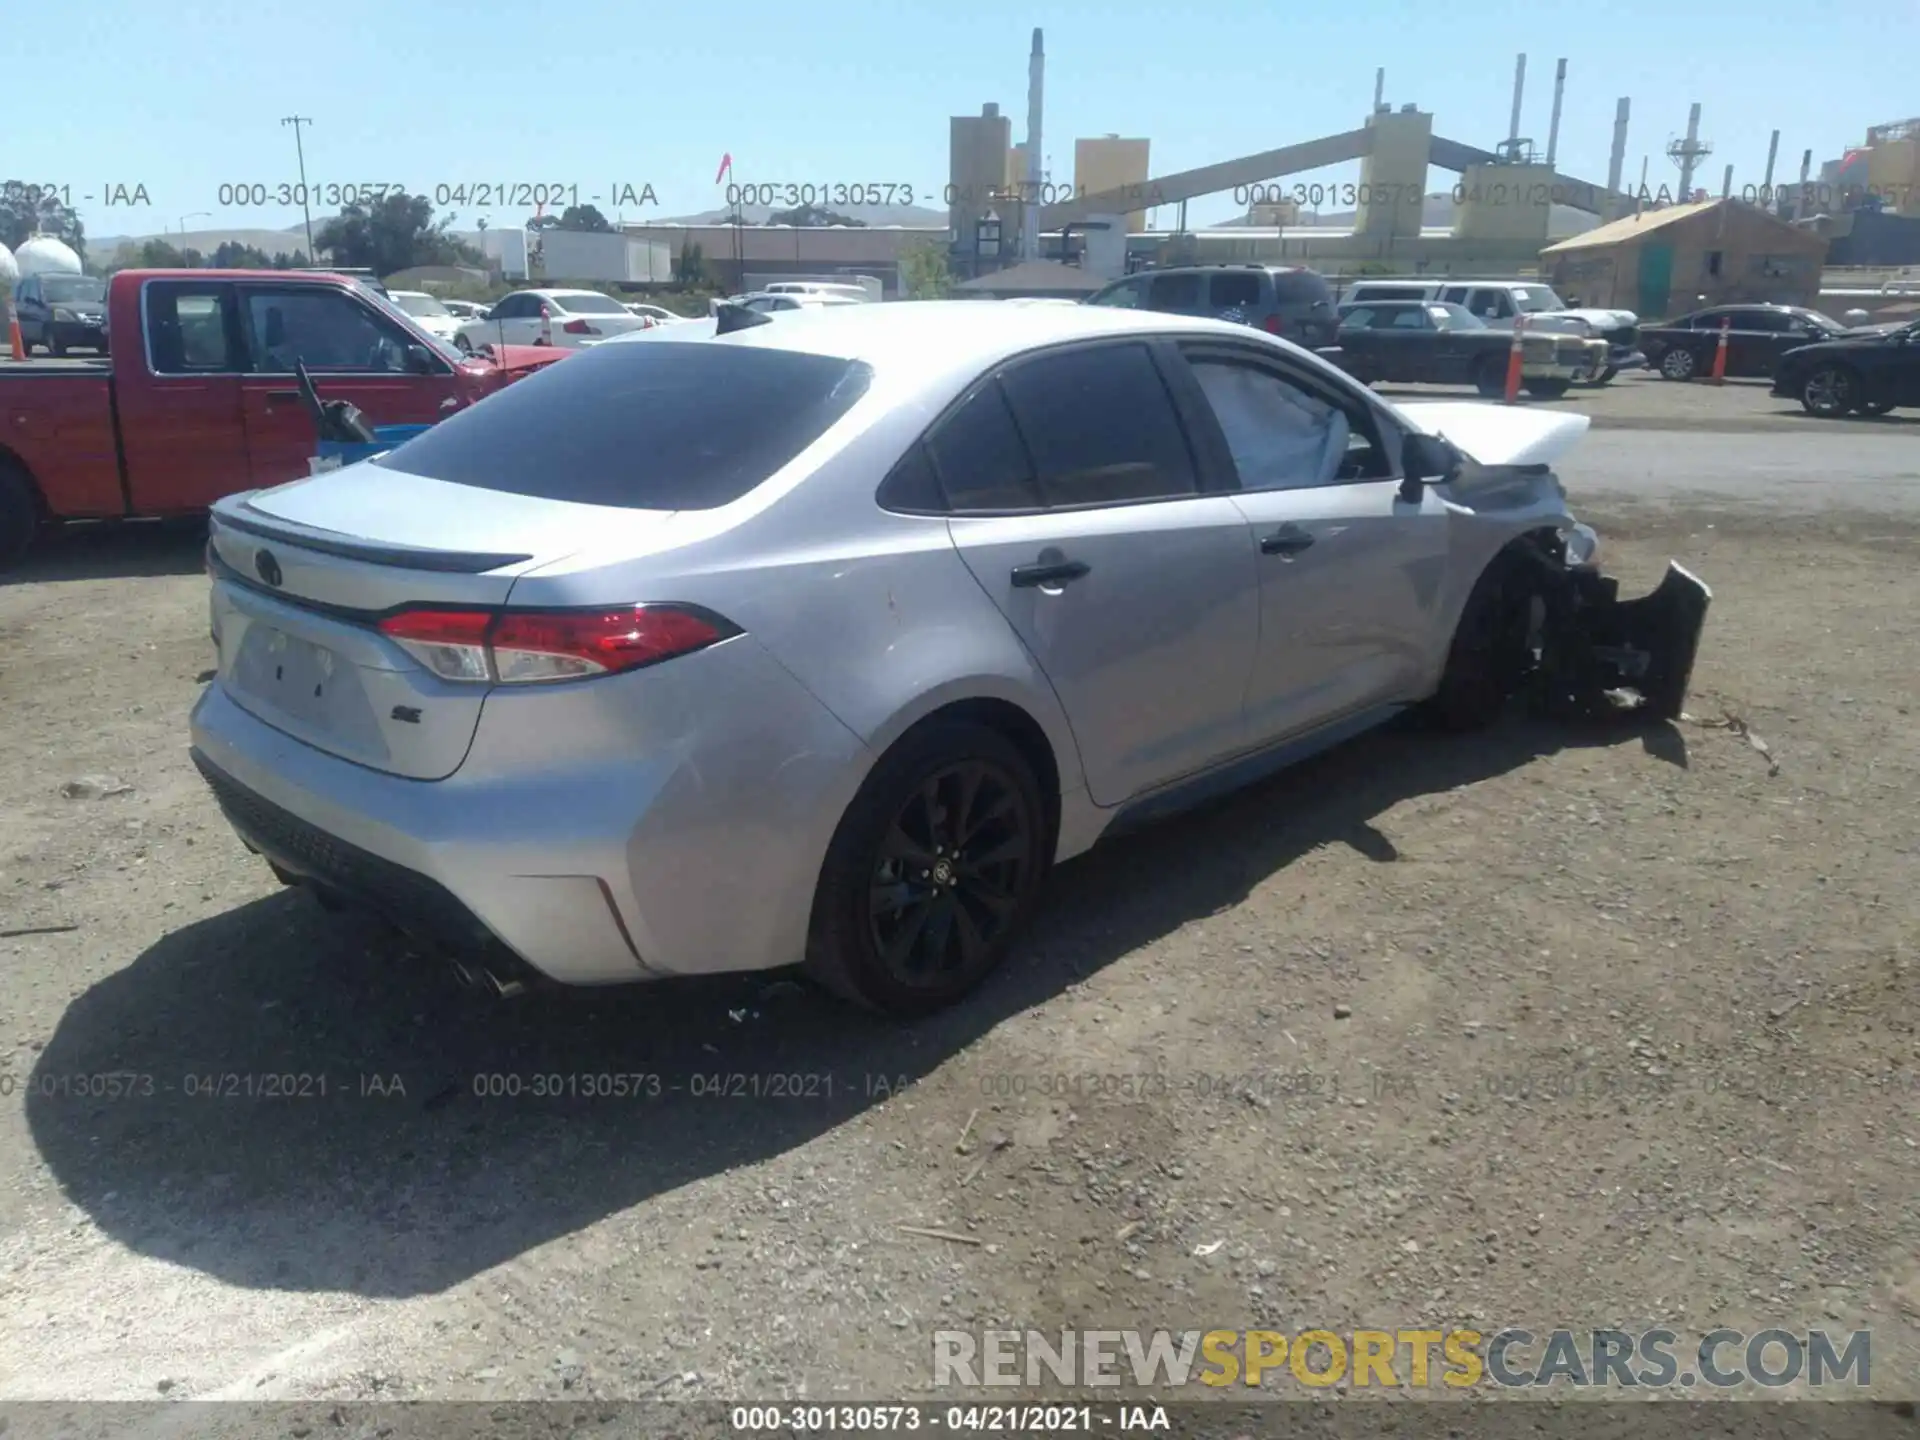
(268, 567)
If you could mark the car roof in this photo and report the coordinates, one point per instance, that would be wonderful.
(978, 333)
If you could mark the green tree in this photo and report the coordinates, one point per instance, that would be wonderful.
(396, 233)
(813, 215)
(924, 273)
(692, 269)
(27, 210)
(584, 217)
(233, 256)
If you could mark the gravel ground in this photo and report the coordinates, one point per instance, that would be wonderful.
(1544, 1028)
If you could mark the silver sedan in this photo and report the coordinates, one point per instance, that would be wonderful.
(817, 641)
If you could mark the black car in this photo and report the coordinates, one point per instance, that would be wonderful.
(1428, 342)
(62, 312)
(1285, 300)
(1757, 336)
(1860, 372)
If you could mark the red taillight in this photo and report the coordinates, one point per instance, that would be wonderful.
(1272, 325)
(519, 647)
(579, 327)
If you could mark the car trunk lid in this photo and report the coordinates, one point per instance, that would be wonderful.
(302, 573)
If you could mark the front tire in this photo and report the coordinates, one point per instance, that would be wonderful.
(1547, 389)
(1605, 377)
(1491, 379)
(56, 347)
(463, 345)
(1490, 652)
(933, 869)
(1678, 364)
(1829, 392)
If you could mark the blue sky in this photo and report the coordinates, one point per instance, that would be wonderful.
(184, 98)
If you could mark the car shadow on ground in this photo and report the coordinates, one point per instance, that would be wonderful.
(215, 1148)
(109, 550)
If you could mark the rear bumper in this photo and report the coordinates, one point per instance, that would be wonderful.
(671, 821)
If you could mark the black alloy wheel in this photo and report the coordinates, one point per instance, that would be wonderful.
(949, 874)
(931, 871)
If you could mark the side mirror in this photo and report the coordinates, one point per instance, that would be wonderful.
(419, 360)
(1425, 460)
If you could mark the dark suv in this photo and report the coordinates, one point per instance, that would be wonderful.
(1285, 300)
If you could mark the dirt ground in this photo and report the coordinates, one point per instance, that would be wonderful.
(1542, 1028)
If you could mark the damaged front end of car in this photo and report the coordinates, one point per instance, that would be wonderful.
(1591, 655)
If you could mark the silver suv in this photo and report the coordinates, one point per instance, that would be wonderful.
(1285, 300)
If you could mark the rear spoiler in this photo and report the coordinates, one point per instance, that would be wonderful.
(239, 514)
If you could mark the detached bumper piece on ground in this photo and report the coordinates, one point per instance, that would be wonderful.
(1598, 655)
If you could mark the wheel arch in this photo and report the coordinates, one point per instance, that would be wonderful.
(1507, 554)
(1048, 747)
(11, 459)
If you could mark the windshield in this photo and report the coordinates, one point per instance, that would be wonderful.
(1458, 317)
(1532, 299)
(421, 305)
(66, 289)
(1825, 324)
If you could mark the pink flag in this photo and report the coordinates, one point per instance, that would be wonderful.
(726, 164)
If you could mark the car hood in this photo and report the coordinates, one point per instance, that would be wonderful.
(1495, 435)
(1604, 319)
(91, 308)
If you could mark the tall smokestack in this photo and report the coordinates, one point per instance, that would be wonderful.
(1806, 166)
(1688, 159)
(1726, 185)
(1619, 159)
(1519, 87)
(1030, 215)
(1553, 125)
(1773, 149)
(1379, 88)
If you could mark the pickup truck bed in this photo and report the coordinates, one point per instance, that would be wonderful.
(198, 399)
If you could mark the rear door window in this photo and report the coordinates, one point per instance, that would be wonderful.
(660, 426)
(980, 459)
(1179, 294)
(1127, 295)
(1230, 290)
(1100, 426)
(190, 329)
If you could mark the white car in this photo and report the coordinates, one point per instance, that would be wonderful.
(575, 319)
(858, 293)
(466, 309)
(429, 313)
(768, 302)
(659, 315)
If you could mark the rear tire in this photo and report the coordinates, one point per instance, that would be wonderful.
(19, 513)
(1678, 364)
(56, 347)
(1830, 391)
(1605, 377)
(1547, 389)
(905, 920)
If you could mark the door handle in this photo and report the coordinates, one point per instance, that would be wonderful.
(1049, 572)
(1287, 540)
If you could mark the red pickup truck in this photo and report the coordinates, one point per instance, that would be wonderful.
(199, 400)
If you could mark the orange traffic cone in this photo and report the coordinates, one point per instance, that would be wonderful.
(1719, 376)
(13, 335)
(1513, 360)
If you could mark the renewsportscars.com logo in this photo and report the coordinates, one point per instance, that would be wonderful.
(1511, 1358)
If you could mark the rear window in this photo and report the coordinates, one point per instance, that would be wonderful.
(590, 305)
(663, 425)
(1299, 287)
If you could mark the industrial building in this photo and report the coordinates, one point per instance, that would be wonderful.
(1682, 257)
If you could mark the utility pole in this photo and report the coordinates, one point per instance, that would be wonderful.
(306, 211)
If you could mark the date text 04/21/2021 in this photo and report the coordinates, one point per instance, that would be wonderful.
(479, 194)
